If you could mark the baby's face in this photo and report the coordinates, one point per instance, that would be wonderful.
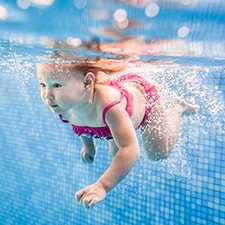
(61, 88)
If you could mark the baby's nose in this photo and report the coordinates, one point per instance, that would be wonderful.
(49, 95)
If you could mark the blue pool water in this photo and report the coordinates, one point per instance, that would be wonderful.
(40, 164)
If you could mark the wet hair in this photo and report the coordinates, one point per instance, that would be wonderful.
(87, 64)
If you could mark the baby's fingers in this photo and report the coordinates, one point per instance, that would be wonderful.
(94, 201)
(79, 195)
(86, 201)
(90, 201)
(87, 157)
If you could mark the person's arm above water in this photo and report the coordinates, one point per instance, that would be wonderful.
(125, 137)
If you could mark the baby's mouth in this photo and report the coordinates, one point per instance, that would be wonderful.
(53, 106)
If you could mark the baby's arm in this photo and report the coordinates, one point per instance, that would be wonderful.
(125, 138)
(88, 151)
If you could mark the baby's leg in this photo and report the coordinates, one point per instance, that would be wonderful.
(161, 129)
(184, 107)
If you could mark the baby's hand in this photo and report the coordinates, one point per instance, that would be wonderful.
(91, 195)
(87, 154)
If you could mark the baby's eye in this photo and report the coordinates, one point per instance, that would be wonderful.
(42, 84)
(57, 85)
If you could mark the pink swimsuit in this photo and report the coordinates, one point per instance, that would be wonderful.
(151, 96)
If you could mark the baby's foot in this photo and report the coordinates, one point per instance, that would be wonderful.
(184, 107)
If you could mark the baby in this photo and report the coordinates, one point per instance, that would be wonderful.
(98, 105)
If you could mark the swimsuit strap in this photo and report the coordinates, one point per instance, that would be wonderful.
(124, 93)
(61, 118)
(111, 105)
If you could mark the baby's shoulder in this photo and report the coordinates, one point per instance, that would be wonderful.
(105, 94)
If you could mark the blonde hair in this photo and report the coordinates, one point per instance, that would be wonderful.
(87, 64)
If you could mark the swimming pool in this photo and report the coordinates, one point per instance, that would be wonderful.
(39, 178)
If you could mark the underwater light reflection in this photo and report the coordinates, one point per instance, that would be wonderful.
(25, 4)
(3, 13)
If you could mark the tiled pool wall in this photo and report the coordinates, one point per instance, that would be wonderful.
(41, 167)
